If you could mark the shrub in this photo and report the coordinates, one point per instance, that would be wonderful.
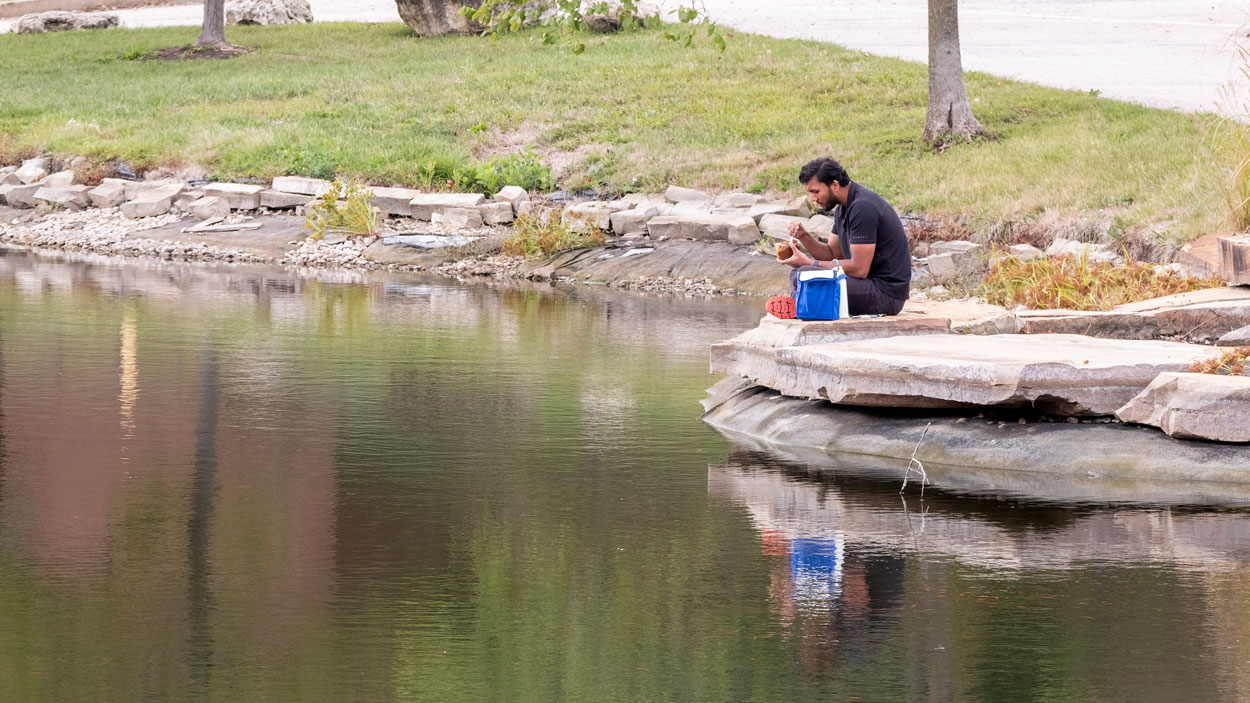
(345, 208)
(1232, 362)
(532, 237)
(1074, 283)
(523, 170)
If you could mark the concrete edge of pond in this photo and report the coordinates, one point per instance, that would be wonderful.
(1048, 461)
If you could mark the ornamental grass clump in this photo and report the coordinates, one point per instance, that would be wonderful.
(1231, 362)
(1076, 283)
(532, 237)
(345, 208)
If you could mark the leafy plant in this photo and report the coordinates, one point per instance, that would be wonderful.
(533, 237)
(1232, 362)
(523, 170)
(559, 17)
(345, 208)
(1073, 283)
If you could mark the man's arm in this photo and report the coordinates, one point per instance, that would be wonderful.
(860, 262)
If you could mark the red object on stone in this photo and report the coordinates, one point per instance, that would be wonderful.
(781, 307)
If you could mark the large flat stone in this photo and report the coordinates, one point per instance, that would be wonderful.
(21, 195)
(298, 185)
(1194, 405)
(424, 205)
(1061, 374)
(395, 201)
(281, 200)
(71, 197)
(1200, 316)
(1234, 259)
(677, 194)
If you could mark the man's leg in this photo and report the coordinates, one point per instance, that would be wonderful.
(863, 298)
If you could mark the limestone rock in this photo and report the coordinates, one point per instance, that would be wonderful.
(10, 178)
(269, 12)
(424, 205)
(953, 247)
(1194, 405)
(150, 204)
(514, 195)
(496, 213)
(1235, 259)
(776, 207)
(626, 222)
(820, 226)
(676, 194)
(107, 195)
(1239, 337)
(1061, 374)
(1073, 248)
(457, 218)
(22, 196)
(739, 229)
(736, 200)
(301, 186)
(801, 206)
(1202, 255)
(70, 197)
(1200, 316)
(1025, 252)
(691, 208)
(209, 207)
(30, 173)
(432, 18)
(778, 226)
(394, 201)
(58, 21)
(283, 200)
(238, 195)
(60, 179)
(582, 216)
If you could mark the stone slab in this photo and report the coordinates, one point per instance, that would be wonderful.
(69, 196)
(209, 207)
(394, 201)
(1200, 316)
(1202, 256)
(677, 194)
(457, 218)
(736, 200)
(1234, 259)
(22, 196)
(424, 205)
(496, 213)
(107, 195)
(632, 221)
(513, 195)
(282, 200)
(583, 216)
(240, 196)
(1059, 374)
(1194, 406)
(271, 241)
(298, 185)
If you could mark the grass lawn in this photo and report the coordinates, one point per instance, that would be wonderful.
(635, 112)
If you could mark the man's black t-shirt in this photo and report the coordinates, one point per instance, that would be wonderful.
(868, 219)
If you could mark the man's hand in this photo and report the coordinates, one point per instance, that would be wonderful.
(798, 231)
(798, 259)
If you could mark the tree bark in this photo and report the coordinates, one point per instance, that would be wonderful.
(214, 31)
(949, 113)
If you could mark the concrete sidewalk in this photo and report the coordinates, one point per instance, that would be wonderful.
(1162, 53)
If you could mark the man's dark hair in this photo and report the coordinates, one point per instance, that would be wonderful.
(825, 170)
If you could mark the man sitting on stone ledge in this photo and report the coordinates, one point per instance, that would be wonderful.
(878, 270)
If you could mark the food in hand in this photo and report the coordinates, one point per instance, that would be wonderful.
(784, 251)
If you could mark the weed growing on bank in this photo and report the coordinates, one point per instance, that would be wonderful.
(1072, 283)
(346, 208)
(1232, 362)
(532, 237)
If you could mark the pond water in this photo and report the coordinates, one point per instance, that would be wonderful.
(246, 485)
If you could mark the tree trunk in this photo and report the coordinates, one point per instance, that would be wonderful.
(214, 31)
(949, 113)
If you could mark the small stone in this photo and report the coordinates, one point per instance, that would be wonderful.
(60, 179)
(513, 195)
(676, 194)
(209, 207)
(30, 173)
(496, 213)
(1072, 421)
(457, 218)
(238, 195)
(108, 195)
(1237, 338)
(71, 197)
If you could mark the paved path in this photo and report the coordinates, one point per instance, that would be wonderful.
(1164, 53)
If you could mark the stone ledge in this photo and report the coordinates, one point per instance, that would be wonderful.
(1194, 406)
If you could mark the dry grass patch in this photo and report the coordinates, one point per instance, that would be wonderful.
(1071, 283)
(1232, 362)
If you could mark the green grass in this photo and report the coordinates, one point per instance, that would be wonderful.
(634, 112)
